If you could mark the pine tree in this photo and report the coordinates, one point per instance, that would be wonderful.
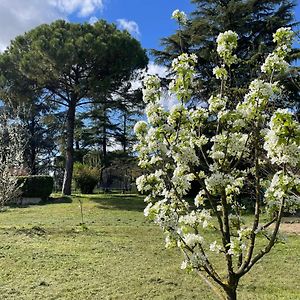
(253, 20)
(70, 63)
(129, 107)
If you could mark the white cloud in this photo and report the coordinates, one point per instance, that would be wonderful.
(167, 100)
(93, 20)
(152, 69)
(131, 26)
(83, 8)
(18, 16)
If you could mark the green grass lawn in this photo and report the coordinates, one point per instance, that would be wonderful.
(45, 254)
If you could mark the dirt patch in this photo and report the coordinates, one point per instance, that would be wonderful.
(34, 231)
(290, 228)
(290, 225)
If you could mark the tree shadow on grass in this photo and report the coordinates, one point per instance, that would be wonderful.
(120, 202)
(57, 200)
(50, 200)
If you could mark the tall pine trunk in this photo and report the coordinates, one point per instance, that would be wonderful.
(104, 142)
(67, 183)
(32, 147)
(104, 137)
(124, 133)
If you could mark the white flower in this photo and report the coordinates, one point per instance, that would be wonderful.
(227, 42)
(184, 265)
(189, 219)
(260, 93)
(274, 63)
(183, 82)
(151, 90)
(236, 247)
(282, 140)
(155, 113)
(199, 199)
(283, 36)
(217, 155)
(191, 239)
(147, 210)
(140, 128)
(217, 103)
(180, 16)
(220, 73)
(282, 187)
(214, 247)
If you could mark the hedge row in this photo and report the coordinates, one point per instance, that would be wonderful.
(39, 186)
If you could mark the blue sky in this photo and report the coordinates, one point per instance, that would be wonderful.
(151, 16)
(148, 20)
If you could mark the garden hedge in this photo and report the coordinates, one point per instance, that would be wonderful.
(39, 186)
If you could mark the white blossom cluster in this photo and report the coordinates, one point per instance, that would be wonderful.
(151, 90)
(217, 103)
(227, 43)
(256, 100)
(282, 144)
(179, 16)
(229, 145)
(182, 84)
(286, 187)
(220, 73)
(282, 140)
(275, 62)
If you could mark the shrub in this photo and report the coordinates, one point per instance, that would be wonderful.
(40, 186)
(86, 177)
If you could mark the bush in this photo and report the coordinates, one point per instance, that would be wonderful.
(40, 186)
(85, 177)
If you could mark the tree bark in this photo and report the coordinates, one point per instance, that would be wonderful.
(104, 138)
(32, 147)
(231, 294)
(124, 134)
(66, 189)
(77, 147)
(104, 142)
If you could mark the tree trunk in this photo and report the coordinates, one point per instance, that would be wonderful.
(77, 147)
(32, 147)
(231, 294)
(33, 169)
(124, 134)
(66, 189)
(104, 138)
(104, 142)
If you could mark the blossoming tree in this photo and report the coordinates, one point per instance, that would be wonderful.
(227, 147)
(12, 136)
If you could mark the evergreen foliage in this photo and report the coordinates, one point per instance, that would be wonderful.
(40, 186)
(71, 65)
(254, 21)
(86, 177)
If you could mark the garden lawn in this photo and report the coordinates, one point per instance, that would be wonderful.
(46, 254)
